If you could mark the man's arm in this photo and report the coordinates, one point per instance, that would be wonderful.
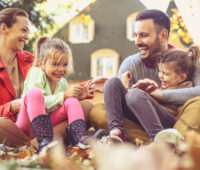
(180, 96)
(128, 65)
(124, 67)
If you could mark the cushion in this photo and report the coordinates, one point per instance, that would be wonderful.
(189, 116)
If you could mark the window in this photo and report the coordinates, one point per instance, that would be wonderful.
(104, 62)
(81, 31)
(130, 24)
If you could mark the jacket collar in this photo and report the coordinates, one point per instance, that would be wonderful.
(24, 60)
(21, 60)
(6, 80)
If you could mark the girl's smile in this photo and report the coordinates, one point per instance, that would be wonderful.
(56, 67)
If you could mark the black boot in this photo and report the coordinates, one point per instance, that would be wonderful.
(100, 133)
(43, 130)
(77, 132)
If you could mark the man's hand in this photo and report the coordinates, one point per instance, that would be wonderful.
(15, 106)
(126, 79)
(157, 94)
(146, 84)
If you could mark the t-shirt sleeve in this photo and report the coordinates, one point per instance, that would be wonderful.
(125, 66)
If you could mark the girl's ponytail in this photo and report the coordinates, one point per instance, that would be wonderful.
(194, 52)
(193, 55)
(39, 43)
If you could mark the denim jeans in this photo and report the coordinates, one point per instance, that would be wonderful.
(137, 106)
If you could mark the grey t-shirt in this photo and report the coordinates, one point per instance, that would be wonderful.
(139, 71)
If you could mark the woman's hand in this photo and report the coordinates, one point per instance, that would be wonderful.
(146, 85)
(99, 80)
(98, 83)
(126, 79)
(73, 91)
(15, 106)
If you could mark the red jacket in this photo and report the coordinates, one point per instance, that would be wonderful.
(7, 92)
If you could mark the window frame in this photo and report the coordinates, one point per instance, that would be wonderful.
(104, 54)
(90, 30)
(130, 21)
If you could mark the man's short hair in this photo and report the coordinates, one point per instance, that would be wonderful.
(160, 18)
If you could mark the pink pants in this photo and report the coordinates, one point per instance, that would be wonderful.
(33, 105)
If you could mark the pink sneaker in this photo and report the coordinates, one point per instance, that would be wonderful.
(111, 139)
(117, 132)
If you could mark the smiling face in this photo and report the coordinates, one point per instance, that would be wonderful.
(146, 38)
(17, 35)
(168, 76)
(56, 67)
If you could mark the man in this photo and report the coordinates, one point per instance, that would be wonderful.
(151, 33)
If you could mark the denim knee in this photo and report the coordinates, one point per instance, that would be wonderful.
(112, 82)
(135, 96)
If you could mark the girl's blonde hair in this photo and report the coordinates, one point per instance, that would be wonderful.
(46, 48)
(183, 61)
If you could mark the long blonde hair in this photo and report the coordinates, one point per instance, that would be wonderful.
(47, 47)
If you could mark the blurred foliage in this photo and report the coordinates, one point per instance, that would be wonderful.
(178, 26)
(43, 22)
(84, 19)
(37, 16)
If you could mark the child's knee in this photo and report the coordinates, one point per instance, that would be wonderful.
(35, 93)
(71, 100)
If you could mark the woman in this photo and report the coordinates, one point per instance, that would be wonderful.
(14, 65)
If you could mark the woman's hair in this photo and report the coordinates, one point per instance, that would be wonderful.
(183, 61)
(47, 48)
(8, 15)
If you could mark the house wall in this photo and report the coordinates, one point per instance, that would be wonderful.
(110, 32)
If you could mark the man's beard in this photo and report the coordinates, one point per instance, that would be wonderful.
(156, 53)
(154, 57)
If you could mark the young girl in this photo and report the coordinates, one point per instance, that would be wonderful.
(47, 99)
(176, 69)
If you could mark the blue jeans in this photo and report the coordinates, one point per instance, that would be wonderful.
(136, 105)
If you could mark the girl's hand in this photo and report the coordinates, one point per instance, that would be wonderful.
(126, 79)
(15, 106)
(73, 91)
(87, 91)
(146, 84)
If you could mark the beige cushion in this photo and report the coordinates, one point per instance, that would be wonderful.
(189, 116)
